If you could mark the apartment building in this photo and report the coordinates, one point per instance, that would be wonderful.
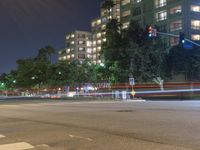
(98, 26)
(78, 47)
(168, 16)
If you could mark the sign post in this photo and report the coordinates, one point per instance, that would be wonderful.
(132, 83)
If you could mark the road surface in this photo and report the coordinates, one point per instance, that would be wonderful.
(108, 125)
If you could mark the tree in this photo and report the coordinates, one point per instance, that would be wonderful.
(185, 62)
(50, 50)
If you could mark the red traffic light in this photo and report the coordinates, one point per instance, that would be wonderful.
(152, 32)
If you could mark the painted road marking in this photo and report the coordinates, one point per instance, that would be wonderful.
(16, 146)
(80, 137)
(2, 136)
(42, 145)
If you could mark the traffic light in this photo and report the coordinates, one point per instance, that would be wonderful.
(181, 38)
(152, 32)
(149, 30)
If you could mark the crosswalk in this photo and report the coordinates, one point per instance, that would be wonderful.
(15, 146)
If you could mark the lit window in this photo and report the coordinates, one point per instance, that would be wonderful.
(162, 15)
(94, 43)
(136, 1)
(99, 41)
(195, 8)
(125, 2)
(72, 56)
(126, 13)
(72, 42)
(160, 3)
(195, 24)
(174, 41)
(176, 25)
(177, 9)
(196, 37)
(99, 22)
(89, 43)
(68, 50)
(98, 35)
(72, 36)
(67, 37)
(89, 50)
(125, 25)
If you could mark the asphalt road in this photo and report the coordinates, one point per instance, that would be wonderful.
(51, 125)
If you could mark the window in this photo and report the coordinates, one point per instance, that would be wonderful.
(125, 25)
(195, 24)
(177, 9)
(137, 11)
(81, 42)
(98, 35)
(176, 25)
(162, 15)
(126, 13)
(125, 2)
(89, 43)
(81, 56)
(72, 36)
(89, 50)
(174, 41)
(81, 35)
(136, 1)
(160, 3)
(196, 37)
(195, 8)
(99, 41)
(81, 48)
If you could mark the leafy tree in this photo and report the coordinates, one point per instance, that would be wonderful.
(185, 62)
(50, 50)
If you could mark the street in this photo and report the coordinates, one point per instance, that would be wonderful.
(107, 125)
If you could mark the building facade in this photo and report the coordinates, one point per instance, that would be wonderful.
(78, 46)
(168, 16)
(98, 26)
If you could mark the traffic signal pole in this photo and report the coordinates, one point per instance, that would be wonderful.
(175, 35)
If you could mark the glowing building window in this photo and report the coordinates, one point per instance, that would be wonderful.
(160, 3)
(126, 13)
(125, 2)
(177, 9)
(196, 37)
(162, 15)
(176, 25)
(72, 36)
(195, 24)
(195, 8)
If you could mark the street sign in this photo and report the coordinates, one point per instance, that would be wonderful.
(133, 93)
(132, 81)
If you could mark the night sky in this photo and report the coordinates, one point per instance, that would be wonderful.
(28, 25)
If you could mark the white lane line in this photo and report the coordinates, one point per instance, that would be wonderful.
(42, 145)
(16, 146)
(80, 137)
(2, 136)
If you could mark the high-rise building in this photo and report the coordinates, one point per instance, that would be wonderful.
(98, 26)
(168, 16)
(78, 46)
